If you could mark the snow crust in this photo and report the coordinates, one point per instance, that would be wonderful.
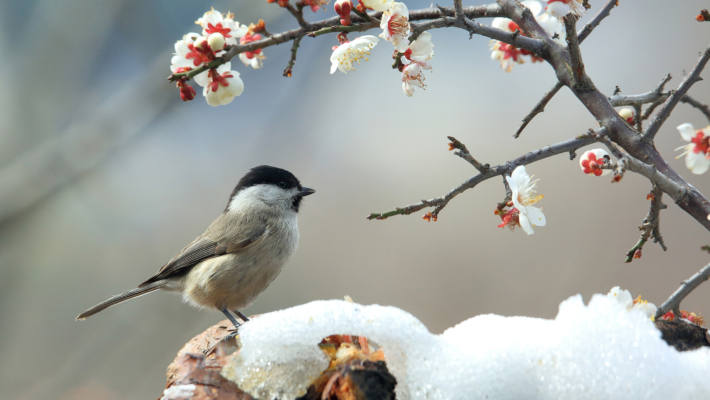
(597, 351)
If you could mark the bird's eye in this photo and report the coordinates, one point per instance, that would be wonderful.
(282, 185)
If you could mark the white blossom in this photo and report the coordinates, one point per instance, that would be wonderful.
(506, 54)
(255, 62)
(421, 49)
(413, 75)
(625, 299)
(213, 22)
(223, 86)
(345, 55)
(524, 196)
(622, 296)
(695, 152)
(395, 26)
(182, 50)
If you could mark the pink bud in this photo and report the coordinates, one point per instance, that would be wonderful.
(187, 93)
(627, 114)
(343, 8)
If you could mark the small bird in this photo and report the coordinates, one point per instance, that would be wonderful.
(240, 253)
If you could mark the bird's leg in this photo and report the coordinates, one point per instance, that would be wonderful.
(240, 315)
(229, 337)
(231, 317)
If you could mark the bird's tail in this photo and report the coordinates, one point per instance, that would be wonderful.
(127, 295)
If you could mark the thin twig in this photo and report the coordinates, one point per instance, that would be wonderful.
(603, 13)
(637, 118)
(366, 26)
(292, 61)
(298, 14)
(702, 107)
(463, 152)
(539, 107)
(643, 98)
(673, 302)
(675, 97)
(650, 226)
(440, 202)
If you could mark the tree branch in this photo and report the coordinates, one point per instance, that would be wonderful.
(603, 13)
(575, 55)
(581, 36)
(675, 190)
(675, 97)
(292, 61)
(363, 24)
(673, 302)
(508, 167)
(641, 99)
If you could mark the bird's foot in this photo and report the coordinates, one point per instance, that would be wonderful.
(233, 334)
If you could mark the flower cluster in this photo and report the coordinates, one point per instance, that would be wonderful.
(411, 58)
(624, 297)
(220, 85)
(507, 54)
(522, 213)
(696, 152)
(418, 54)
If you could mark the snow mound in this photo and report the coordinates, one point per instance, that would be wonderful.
(599, 351)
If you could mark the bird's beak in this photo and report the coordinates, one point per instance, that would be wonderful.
(306, 191)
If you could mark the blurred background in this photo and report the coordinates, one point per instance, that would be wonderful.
(105, 174)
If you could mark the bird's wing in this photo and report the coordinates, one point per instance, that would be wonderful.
(202, 249)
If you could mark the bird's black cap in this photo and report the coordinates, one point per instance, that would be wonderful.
(267, 175)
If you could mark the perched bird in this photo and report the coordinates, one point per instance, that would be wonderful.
(240, 253)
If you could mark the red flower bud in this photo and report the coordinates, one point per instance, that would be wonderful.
(187, 93)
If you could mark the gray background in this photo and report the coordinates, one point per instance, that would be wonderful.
(105, 174)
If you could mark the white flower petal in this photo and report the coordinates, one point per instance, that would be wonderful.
(236, 85)
(535, 215)
(202, 79)
(525, 224)
(520, 176)
(622, 296)
(697, 163)
(687, 131)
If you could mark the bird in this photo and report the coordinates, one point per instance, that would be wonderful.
(241, 252)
